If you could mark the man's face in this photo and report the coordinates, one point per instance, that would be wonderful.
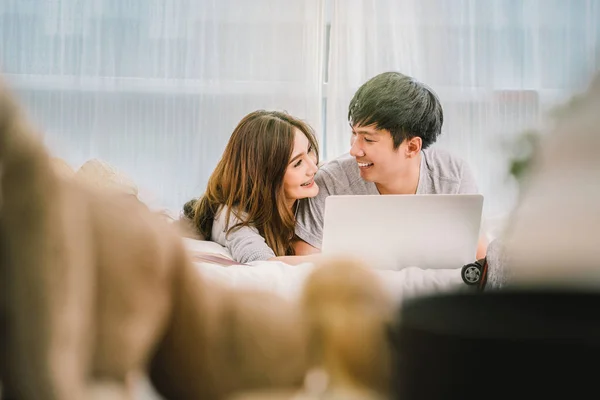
(374, 151)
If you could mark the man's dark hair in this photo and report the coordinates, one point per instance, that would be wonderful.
(400, 104)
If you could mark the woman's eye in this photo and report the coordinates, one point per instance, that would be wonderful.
(298, 163)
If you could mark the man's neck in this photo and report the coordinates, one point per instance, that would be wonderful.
(407, 183)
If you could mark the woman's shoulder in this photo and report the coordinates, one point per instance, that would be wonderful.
(223, 221)
(235, 215)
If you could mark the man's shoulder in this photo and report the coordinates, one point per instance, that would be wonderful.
(443, 165)
(445, 173)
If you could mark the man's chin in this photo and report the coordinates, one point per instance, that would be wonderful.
(367, 175)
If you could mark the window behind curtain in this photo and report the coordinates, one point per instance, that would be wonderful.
(155, 87)
(498, 66)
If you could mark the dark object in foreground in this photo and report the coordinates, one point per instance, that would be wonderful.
(500, 344)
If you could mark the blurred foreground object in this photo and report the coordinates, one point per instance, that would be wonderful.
(497, 345)
(553, 236)
(348, 315)
(95, 288)
(101, 174)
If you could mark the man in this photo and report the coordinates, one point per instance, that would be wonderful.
(394, 120)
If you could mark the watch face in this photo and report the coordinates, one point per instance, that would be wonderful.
(471, 274)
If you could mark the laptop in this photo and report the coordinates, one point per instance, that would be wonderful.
(398, 231)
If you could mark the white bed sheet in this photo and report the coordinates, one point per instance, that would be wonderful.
(288, 280)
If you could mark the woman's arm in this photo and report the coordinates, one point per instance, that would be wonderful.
(296, 260)
(304, 253)
(301, 248)
(247, 245)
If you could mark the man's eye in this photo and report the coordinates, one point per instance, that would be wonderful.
(369, 140)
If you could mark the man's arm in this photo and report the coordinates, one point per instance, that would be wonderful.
(481, 247)
(304, 253)
(468, 185)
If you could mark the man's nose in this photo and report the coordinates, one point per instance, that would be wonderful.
(356, 148)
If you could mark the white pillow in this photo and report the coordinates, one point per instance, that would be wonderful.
(101, 174)
(206, 246)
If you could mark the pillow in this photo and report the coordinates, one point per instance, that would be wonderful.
(206, 246)
(103, 175)
(62, 168)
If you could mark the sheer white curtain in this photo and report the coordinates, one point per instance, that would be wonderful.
(155, 87)
(496, 65)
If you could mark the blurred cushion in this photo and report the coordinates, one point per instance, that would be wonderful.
(62, 168)
(102, 175)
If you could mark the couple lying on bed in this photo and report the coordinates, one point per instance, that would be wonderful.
(266, 198)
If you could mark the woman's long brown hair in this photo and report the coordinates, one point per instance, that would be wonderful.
(248, 179)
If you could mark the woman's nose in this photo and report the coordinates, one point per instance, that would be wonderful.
(312, 167)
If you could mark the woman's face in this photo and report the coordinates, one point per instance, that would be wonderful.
(298, 181)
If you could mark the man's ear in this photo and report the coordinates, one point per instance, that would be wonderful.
(413, 146)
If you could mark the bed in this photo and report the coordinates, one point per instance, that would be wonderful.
(287, 280)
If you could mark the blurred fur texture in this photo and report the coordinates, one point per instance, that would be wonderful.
(348, 314)
(94, 287)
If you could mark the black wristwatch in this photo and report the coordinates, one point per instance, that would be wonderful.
(475, 274)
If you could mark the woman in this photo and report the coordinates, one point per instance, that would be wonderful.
(251, 198)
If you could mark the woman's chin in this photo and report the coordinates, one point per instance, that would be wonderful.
(309, 192)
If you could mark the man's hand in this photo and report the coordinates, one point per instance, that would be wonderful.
(481, 247)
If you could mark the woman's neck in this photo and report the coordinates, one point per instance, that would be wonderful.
(292, 205)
